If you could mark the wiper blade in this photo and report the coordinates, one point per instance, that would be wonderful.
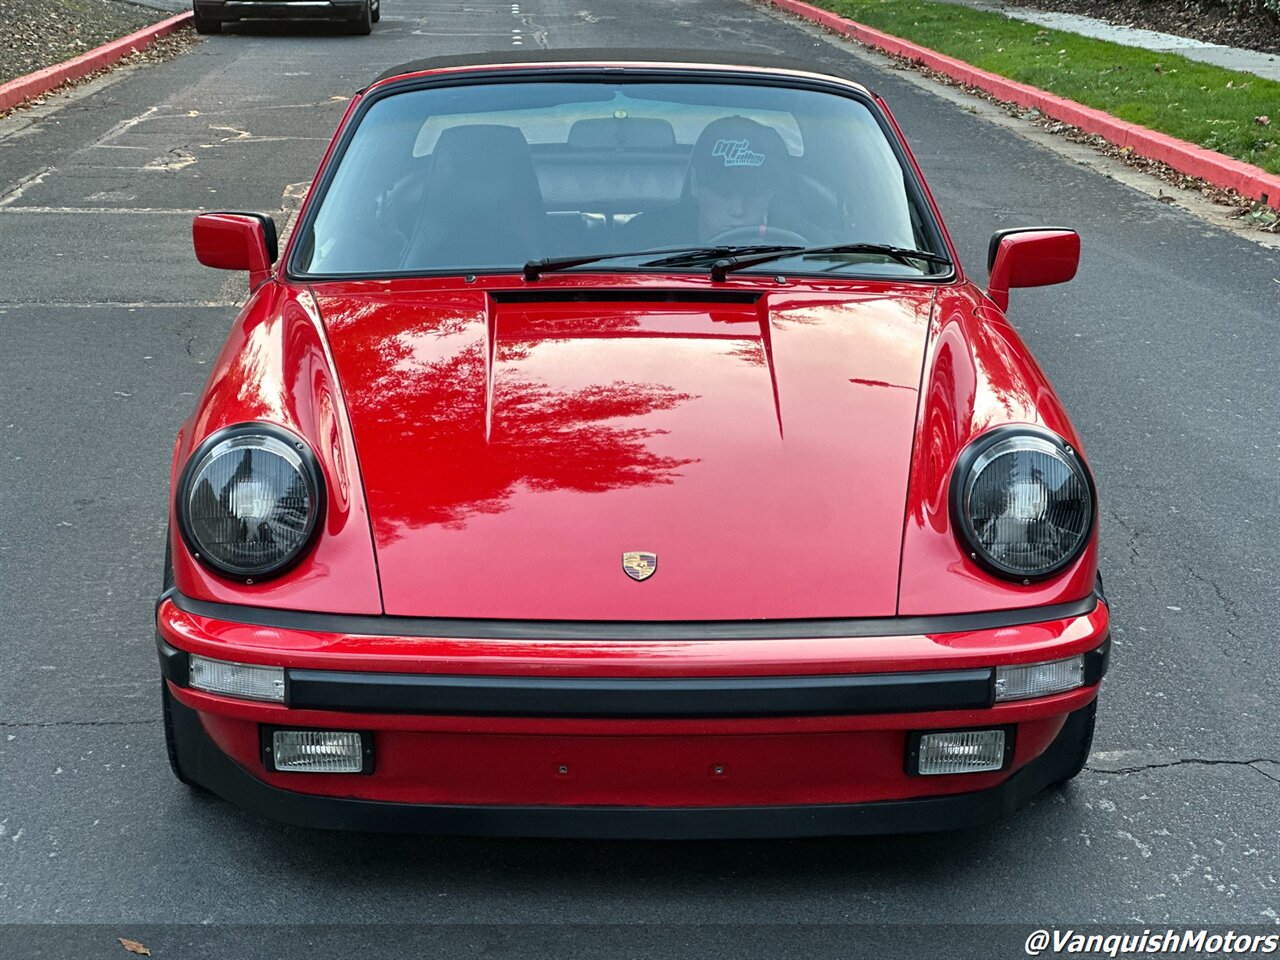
(697, 254)
(722, 268)
(535, 268)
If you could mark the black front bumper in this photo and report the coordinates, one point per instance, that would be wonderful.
(203, 763)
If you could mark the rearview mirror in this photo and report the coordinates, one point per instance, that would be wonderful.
(1030, 257)
(236, 241)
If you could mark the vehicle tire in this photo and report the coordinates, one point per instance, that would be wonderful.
(376, 15)
(1083, 743)
(205, 24)
(362, 25)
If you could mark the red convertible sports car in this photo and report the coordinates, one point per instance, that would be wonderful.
(619, 449)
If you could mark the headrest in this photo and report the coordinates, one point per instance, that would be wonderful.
(482, 204)
(627, 133)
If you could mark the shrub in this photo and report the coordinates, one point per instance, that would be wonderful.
(1252, 7)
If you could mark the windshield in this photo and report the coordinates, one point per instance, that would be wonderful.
(488, 177)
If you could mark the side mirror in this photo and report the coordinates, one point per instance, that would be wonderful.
(1030, 257)
(236, 241)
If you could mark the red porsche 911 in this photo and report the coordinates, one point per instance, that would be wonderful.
(619, 449)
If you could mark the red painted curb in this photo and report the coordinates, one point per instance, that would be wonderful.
(42, 81)
(1187, 158)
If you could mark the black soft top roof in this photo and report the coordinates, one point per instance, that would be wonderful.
(725, 58)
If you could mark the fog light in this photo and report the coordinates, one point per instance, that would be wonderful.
(1039, 679)
(319, 751)
(961, 751)
(237, 679)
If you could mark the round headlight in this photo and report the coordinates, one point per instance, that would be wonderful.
(249, 501)
(1024, 504)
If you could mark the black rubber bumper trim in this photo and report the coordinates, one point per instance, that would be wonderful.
(204, 763)
(175, 664)
(630, 698)
(1096, 662)
(700, 697)
(451, 627)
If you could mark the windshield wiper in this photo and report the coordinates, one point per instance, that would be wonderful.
(722, 268)
(698, 254)
(535, 268)
(731, 257)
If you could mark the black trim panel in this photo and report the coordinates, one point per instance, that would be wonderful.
(175, 664)
(1096, 662)
(204, 763)
(664, 697)
(619, 630)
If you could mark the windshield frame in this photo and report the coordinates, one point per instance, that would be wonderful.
(918, 193)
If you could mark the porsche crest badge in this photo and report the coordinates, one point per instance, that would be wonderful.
(638, 565)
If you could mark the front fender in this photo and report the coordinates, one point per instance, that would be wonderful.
(275, 367)
(978, 375)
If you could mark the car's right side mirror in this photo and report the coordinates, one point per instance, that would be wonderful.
(1030, 257)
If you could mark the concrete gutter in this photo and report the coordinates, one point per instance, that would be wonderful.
(1186, 158)
(50, 78)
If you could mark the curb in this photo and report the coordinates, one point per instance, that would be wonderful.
(1186, 158)
(42, 81)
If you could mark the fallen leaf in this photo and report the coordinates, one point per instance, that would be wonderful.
(133, 946)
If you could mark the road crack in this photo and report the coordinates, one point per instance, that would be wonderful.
(1228, 604)
(37, 724)
(1189, 761)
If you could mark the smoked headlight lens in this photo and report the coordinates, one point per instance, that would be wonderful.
(1025, 504)
(250, 500)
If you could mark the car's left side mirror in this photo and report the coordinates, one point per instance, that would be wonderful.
(1030, 257)
(236, 241)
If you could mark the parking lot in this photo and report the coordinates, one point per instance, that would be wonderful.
(1164, 349)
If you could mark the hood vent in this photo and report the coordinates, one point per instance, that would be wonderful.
(571, 295)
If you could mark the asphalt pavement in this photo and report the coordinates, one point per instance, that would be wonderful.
(1164, 348)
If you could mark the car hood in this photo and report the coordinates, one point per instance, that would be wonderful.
(514, 446)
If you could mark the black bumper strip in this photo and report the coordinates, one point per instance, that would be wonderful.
(1096, 662)
(175, 664)
(202, 762)
(614, 630)
(658, 697)
(666, 697)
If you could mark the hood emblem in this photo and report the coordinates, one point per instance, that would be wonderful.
(638, 565)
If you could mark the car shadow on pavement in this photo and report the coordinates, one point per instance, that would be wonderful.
(287, 28)
(622, 870)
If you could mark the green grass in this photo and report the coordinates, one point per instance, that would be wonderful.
(1203, 104)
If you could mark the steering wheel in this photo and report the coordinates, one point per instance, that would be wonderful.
(754, 235)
